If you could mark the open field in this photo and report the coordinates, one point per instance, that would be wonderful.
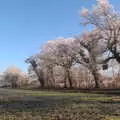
(49, 105)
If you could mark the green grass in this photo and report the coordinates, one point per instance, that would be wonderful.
(18, 104)
(112, 118)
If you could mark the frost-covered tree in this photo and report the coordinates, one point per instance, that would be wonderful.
(88, 50)
(14, 77)
(37, 68)
(105, 18)
(59, 53)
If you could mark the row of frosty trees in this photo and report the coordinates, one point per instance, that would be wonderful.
(13, 77)
(93, 50)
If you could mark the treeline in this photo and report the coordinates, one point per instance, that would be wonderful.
(13, 77)
(93, 51)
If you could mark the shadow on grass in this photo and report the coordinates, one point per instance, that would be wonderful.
(115, 92)
(66, 106)
(47, 102)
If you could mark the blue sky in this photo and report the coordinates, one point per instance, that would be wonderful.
(26, 24)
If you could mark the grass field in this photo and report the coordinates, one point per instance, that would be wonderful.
(18, 104)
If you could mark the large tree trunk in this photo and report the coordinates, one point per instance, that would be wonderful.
(93, 68)
(51, 76)
(65, 81)
(96, 78)
(40, 75)
(41, 79)
(69, 77)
